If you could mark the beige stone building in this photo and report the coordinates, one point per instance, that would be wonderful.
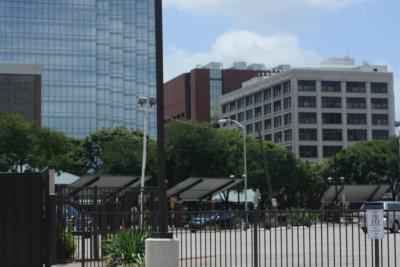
(316, 111)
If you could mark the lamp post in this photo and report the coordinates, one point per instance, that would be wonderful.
(150, 102)
(245, 164)
(397, 124)
(330, 180)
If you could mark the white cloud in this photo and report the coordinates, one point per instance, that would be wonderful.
(270, 50)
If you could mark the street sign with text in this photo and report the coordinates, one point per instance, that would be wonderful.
(375, 224)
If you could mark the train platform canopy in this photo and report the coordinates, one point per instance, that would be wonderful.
(201, 188)
(102, 183)
(107, 181)
(356, 193)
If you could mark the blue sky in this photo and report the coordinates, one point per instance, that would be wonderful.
(295, 32)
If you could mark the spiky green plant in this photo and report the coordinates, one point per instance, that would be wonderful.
(126, 248)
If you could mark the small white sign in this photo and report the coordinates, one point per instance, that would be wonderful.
(375, 224)
(274, 202)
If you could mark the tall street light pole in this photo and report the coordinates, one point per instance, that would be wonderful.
(149, 101)
(245, 164)
(397, 124)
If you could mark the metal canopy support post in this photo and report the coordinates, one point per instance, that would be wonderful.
(130, 183)
(337, 193)
(373, 193)
(95, 179)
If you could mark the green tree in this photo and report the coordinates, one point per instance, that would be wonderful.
(196, 149)
(123, 156)
(53, 148)
(368, 162)
(115, 151)
(24, 145)
(289, 176)
(16, 142)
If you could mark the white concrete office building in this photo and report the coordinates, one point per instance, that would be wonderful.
(316, 111)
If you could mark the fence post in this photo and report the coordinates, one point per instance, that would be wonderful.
(94, 225)
(52, 231)
(255, 247)
(377, 252)
(83, 238)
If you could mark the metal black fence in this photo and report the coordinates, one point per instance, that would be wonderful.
(222, 238)
(88, 215)
(26, 219)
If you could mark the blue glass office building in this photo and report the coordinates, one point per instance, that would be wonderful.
(97, 57)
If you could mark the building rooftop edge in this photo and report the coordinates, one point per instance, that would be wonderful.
(258, 81)
(20, 68)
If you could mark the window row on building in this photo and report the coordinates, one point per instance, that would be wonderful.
(335, 86)
(336, 118)
(266, 109)
(336, 102)
(279, 137)
(311, 151)
(307, 134)
(266, 94)
(311, 102)
(268, 124)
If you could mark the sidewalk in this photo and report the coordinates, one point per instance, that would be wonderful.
(72, 264)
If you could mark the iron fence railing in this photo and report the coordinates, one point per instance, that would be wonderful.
(271, 238)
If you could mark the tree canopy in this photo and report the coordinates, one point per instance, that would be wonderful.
(198, 149)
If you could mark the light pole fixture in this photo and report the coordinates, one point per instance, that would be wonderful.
(245, 164)
(330, 180)
(146, 103)
(397, 124)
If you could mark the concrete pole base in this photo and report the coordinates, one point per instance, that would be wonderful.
(162, 252)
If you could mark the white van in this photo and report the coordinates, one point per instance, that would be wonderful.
(391, 215)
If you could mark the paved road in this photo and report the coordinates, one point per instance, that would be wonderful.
(321, 245)
(315, 246)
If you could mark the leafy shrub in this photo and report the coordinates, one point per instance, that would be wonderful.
(126, 248)
(289, 219)
(237, 223)
(66, 240)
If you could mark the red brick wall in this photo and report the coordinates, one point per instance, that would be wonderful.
(234, 78)
(200, 94)
(176, 101)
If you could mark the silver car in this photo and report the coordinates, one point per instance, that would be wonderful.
(391, 215)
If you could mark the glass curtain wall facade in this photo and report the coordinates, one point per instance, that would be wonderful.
(97, 57)
(215, 93)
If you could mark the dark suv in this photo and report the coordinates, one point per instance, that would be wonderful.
(73, 218)
(222, 220)
(202, 220)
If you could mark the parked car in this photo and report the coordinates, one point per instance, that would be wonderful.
(222, 220)
(202, 220)
(391, 215)
(227, 220)
(73, 218)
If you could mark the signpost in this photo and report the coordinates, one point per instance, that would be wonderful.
(375, 229)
